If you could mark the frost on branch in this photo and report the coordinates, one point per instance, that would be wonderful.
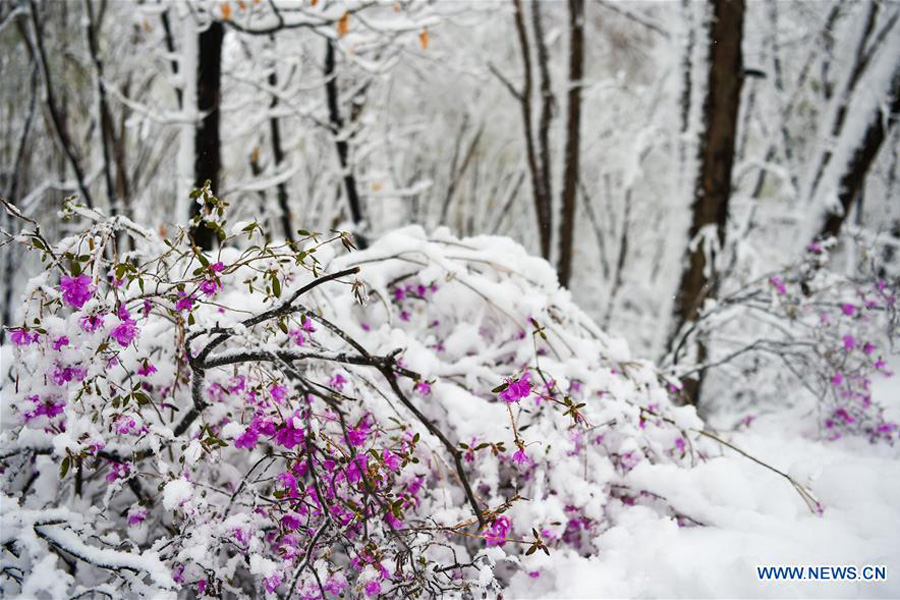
(428, 416)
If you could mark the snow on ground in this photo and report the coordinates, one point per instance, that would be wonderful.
(753, 518)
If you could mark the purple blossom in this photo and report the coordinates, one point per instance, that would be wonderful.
(289, 437)
(297, 336)
(47, 408)
(217, 267)
(516, 389)
(273, 581)
(21, 337)
(778, 284)
(837, 379)
(307, 325)
(248, 439)
(118, 471)
(520, 457)
(60, 342)
(335, 585)
(358, 435)
(290, 521)
(278, 392)
(184, 302)
(63, 375)
(391, 460)
(76, 290)
(849, 342)
(373, 588)
(137, 516)
(337, 382)
(125, 332)
(91, 323)
(848, 309)
(208, 287)
(146, 369)
(868, 348)
(423, 388)
(500, 529)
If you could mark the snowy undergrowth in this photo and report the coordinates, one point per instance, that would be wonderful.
(431, 416)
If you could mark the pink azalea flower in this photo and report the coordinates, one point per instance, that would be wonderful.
(391, 460)
(21, 337)
(137, 516)
(373, 588)
(337, 382)
(516, 389)
(125, 332)
(147, 369)
(91, 323)
(499, 531)
(59, 343)
(423, 388)
(185, 302)
(209, 286)
(849, 342)
(778, 284)
(848, 309)
(868, 348)
(217, 267)
(76, 290)
(278, 392)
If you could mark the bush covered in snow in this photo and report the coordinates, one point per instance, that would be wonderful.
(430, 415)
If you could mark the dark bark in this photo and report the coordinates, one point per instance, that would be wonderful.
(546, 116)
(573, 139)
(208, 141)
(851, 182)
(341, 144)
(170, 47)
(717, 147)
(278, 155)
(107, 133)
(56, 118)
(542, 203)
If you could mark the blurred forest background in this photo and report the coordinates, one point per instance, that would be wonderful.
(659, 154)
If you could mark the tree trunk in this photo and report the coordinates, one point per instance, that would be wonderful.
(208, 142)
(851, 182)
(278, 155)
(343, 148)
(542, 202)
(713, 186)
(573, 138)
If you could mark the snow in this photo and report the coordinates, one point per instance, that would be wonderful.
(752, 518)
(176, 493)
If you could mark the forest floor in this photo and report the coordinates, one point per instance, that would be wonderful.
(753, 518)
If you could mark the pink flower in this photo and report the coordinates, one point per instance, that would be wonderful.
(679, 443)
(248, 439)
(76, 290)
(373, 588)
(391, 460)
(516, 389)
(278, 392)
(92, 323)
(209, 286)
(869, 348)
(499, 531)
(185, 302)
(399, 294)
(289, 437)
(848, 309)
(335, 586)
(217, 267)
(21, 337)
(63, 375)
(337, 382)
(307, 325)
(59, 343)
(297, 336)
(778, 284)
(125, 332)
(290, 521)
(849, 342)
(838, 378)
(137, 516)
(815, 248)
(118, 471)
(146, 369)
(358, 435)
(423, 388)
(520, 457)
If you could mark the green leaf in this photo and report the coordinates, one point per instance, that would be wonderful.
(500, 387)
(64, 468)
(276, 286)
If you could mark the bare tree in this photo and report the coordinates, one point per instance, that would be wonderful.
(573, 138)
(208, 141)
(713, 187)
(852, 179)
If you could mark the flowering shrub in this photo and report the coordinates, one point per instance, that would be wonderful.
(304, 421)
(828, 335)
